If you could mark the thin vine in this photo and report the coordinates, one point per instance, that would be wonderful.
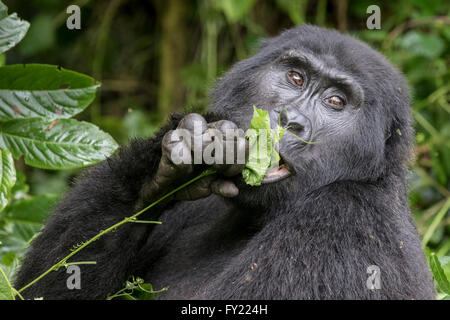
(133, 219)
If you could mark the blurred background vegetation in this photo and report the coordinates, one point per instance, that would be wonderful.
(155, 57)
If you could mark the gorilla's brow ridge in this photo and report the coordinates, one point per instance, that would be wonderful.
(319, 66)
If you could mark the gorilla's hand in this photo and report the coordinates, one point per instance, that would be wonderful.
(178, 162)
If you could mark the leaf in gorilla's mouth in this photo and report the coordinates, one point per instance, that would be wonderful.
(264, 164)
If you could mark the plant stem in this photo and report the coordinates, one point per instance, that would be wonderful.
(307, 142)
(62, 262)
(435, 223)
(100, 50)
(14, 292)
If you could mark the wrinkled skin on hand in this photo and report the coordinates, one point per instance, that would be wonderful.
(171, 173)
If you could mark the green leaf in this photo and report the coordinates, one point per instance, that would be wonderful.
(7, 177)
(6, 291)
(278, 133)
(3, 10)
(445, 264)
(21, 188)
(44, 91)
(32, 210)
(439, 274)
(262, 153)
(12, 29)
(22, 220)
(136, 289)
(417, 43)
(59, 144)
(141, 292)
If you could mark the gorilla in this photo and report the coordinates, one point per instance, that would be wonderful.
(332, 222)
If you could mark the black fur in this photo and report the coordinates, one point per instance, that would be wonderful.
(311, 236)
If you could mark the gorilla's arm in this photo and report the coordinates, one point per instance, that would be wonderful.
(111, 191)
(104, 196)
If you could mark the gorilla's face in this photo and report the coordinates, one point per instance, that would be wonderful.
(317, 103)
(339, 99)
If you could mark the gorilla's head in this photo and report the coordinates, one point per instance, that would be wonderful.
(332, 90)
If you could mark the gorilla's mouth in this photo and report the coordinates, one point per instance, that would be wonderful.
(278, 173)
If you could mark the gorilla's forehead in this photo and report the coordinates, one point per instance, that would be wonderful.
(342, 52)
(324, 64)
(334, 49)
(373, 73)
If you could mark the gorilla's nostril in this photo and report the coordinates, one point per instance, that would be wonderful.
(296, 127)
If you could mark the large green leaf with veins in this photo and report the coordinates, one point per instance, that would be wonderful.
(12, 29)
(44, 91)
(6, 291)
(438, 273)
(58, 144)
(7, 176)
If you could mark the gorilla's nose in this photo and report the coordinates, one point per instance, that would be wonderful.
(294, 121)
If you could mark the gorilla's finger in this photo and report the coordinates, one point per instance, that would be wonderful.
(196, 125)
(193, 122)
(241, 150)
(223, 125)
(176, 156)
(224, 188)
(234, 146)
(169, 140)
(197, 190)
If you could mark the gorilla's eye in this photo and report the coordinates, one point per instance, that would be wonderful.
(296, 77)
(336, 101)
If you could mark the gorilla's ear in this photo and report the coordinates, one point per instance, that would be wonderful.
(398, 141)
(395, 132)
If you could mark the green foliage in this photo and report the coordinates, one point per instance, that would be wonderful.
(43, 91)
(6, 290)
(7, 177)
(441, 275)
(418, 43)
(12, 29)
(35, 104)
(56, 144)
(20, 222)
(32, 97)
(136, 289)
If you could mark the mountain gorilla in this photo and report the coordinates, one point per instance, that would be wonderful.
(335, 210)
